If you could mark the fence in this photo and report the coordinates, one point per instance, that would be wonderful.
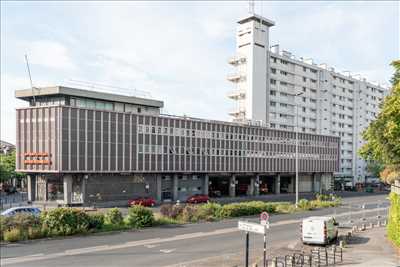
(14, 200)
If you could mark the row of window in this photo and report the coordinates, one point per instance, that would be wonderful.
(181, 150)
(171, 131)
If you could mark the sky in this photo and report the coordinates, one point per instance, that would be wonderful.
(178, 51)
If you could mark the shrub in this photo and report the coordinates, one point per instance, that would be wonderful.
(35, 232)
(96, 220)
(189, 213)
(139, 216)
(65, 221)
(393, 227)
(285, 208)
(14, 234)
(114, 216)
(22, 221)
(245, 209)
(208, 211)
(166, 209)
(304, 204)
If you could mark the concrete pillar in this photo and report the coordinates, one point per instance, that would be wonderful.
(206, 182)
(67, 182)
(175, 188)
(278, 184)
(232, 186)
(31, 179)
(251, 190)
(257, 185)
(159, 188)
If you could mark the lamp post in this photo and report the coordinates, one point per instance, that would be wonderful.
(297, 147)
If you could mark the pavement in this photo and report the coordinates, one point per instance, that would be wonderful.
(202, 244)
(371, 248)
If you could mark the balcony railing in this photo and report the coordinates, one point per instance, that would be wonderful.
(235, 77)
(236, 60)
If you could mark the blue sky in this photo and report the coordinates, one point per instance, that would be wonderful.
(178, 51)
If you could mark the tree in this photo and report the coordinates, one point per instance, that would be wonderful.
(383, 134)
(7, 167)
(396, 76)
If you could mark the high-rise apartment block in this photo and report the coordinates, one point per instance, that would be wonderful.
(276, 89)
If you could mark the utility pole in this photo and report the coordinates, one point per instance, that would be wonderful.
(297, 147)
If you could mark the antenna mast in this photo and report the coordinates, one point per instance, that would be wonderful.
(251, 7)
(30, 79)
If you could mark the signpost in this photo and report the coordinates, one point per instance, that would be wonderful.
(258, 229)
(264, 221)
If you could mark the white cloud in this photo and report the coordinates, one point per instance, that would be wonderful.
(49, 54)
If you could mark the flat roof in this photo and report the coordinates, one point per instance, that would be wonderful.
(257, 18)
(27, 94)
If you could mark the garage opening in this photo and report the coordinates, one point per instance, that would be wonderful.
(218, 187)
(267, 185)
(286, 184)
(243, 186)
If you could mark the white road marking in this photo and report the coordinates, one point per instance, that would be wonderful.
(79, 251)
(151, 246)
(167, 250)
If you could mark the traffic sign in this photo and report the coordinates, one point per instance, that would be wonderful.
(264, 218)
(252, 227)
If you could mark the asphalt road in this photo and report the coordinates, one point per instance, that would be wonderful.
(174, 245)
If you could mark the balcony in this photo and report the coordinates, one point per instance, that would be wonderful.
(238, 112)
(235, 77)
(236, 60)
(237, 94)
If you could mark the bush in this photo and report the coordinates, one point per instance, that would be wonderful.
(166, 209)
(245, 209)
(65, 221)
(35, 232)
(285, 208)
(114, 216)
(96, 220)
(14, 234)
(139, 216)
(393, 227)
(22, 221)
(189, 213)
(304, 204)
(208, 211)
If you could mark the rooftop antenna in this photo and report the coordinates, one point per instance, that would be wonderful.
(30, 79)
(251, 7)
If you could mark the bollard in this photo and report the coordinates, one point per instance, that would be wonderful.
(363, 227)
(378, 224)
(354, 229)
(371, 225)
(384, 222)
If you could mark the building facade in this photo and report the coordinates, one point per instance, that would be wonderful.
(275, 89)
(84, 147)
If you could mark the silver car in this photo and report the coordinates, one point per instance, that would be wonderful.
(21, 210)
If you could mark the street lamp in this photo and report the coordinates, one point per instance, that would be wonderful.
(297, 147)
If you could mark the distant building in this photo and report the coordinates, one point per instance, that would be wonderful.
(6, 148)
(327, 102)
(84, 147)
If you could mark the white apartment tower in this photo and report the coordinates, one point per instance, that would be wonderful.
(276, 89)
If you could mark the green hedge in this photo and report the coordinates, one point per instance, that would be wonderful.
(393, 227)
(139, 216)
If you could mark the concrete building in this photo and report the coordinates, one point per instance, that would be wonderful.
(275, 89)
(83, 147)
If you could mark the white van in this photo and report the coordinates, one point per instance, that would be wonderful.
(319, 230)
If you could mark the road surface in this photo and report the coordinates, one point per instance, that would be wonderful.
(182, 245)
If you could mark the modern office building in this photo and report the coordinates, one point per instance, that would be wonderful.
(83, 147)
(275, 89)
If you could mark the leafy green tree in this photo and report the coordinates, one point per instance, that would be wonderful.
(383, 134)
(396, 76)
(7, 167)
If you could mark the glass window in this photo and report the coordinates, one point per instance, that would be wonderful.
(108, 106)
(81, 103)
(90, 104)
(119, 107)
(100, 105)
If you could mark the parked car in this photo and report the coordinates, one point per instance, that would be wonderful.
(319, 230)
(198, 198)
(144, 201)
(21, 210)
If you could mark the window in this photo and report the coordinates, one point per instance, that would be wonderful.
(272, 92)
(273, 81)
(273, 70)
(304, 79)
(304, 89)
(304, 69)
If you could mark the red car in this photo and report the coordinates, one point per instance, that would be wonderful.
(197, 199)
(144, 201)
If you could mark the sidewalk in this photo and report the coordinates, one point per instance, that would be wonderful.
(370, 249)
